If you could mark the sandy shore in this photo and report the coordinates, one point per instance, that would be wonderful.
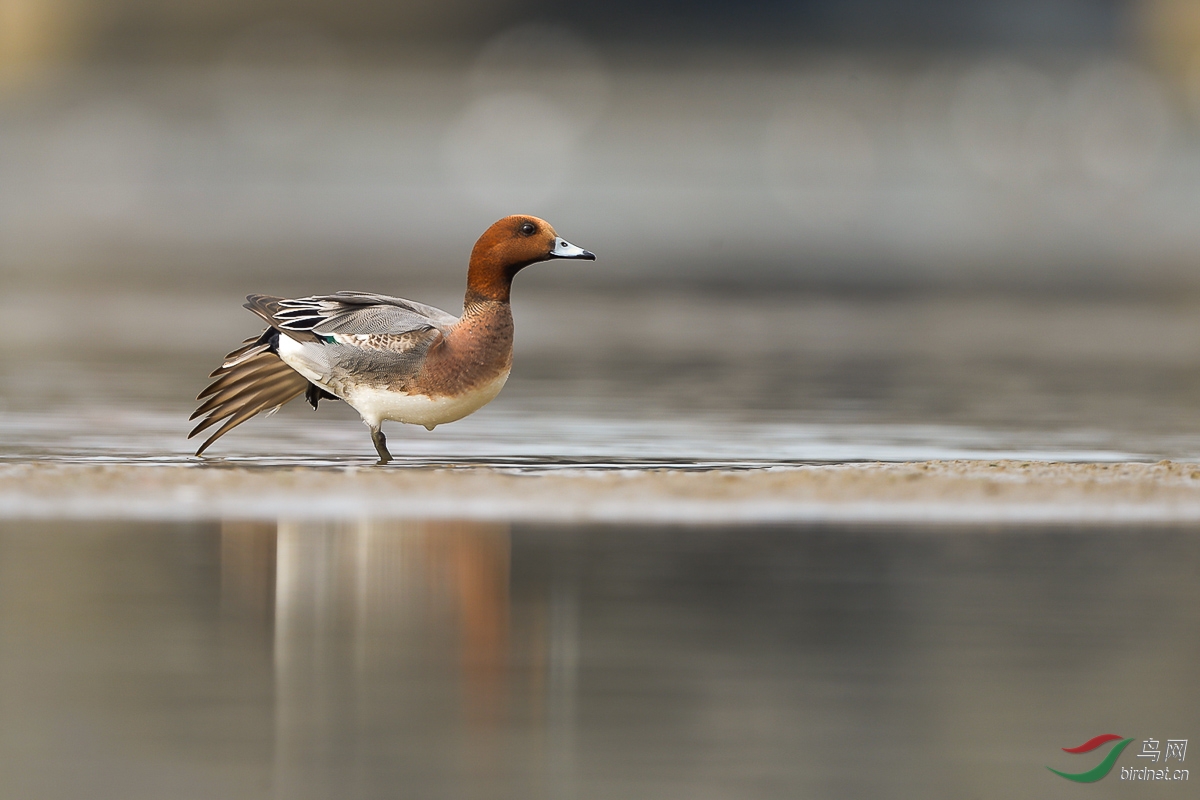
(932, 492)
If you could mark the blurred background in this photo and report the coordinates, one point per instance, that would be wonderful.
(828, 230)
(981, 212)
(870, 144)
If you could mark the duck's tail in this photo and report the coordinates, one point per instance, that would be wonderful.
(252, 379)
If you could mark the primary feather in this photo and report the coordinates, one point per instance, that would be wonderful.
(245, 385)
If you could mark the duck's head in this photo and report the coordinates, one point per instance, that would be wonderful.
(510, 245)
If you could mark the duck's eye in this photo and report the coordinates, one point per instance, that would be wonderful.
(527, 229)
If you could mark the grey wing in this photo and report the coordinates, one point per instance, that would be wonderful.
(349, 313)
(439, 318)
(355, 337)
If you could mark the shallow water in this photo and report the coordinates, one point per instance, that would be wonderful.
(516, 438)
(385, 659)
(604, 379)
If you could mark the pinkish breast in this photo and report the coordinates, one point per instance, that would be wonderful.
(474, 352)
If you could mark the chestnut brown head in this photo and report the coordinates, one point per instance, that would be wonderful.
(510, 245)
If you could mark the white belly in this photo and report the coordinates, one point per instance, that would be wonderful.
(376, 405)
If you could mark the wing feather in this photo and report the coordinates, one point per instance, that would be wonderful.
(244, 388)
(350, 313)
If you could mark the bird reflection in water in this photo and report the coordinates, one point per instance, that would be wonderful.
(363, 625)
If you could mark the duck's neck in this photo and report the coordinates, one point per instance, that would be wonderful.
(484, 310)
(487, 282)
(486, 325)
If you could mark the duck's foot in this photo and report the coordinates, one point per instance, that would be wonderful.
(380, 442)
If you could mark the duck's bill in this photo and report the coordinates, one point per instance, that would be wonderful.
(564, 249)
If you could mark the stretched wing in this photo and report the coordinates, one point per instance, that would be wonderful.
(252, 379)
(348, 314)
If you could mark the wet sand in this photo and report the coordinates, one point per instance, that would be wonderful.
(915, 492)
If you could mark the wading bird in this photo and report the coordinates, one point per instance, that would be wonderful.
(388, 358)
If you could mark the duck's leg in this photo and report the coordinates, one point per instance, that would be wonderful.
(380, 442)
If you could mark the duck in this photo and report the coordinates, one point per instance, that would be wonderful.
(388, 358)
